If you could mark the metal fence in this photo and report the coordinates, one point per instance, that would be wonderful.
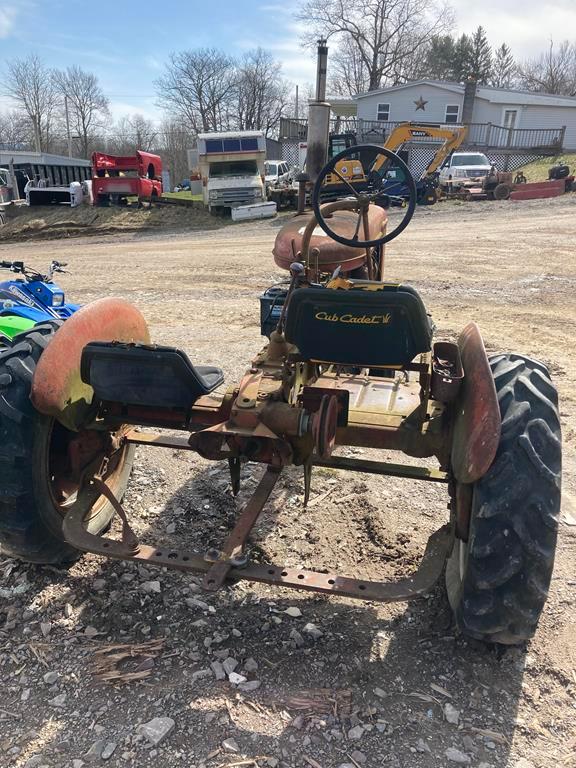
(480, 135)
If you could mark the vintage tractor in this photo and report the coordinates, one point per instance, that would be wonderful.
(350, 361)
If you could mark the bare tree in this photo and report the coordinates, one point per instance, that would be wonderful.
(553, 71)
(381, 34)
(199, 87)
(175, 140)
(261, 92)
(15, 131)
(31, 87)
(131, 133)
(349, 74)
(87, 103)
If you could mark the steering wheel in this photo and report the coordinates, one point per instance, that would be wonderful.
(379, 187)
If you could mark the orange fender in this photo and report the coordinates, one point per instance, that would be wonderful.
(57, 389)
(477, 421)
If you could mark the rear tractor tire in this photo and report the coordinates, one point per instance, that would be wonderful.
(497, 581)
(502, 191)
(34, 491)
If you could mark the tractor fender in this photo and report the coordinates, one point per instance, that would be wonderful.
(57, 389)
(477, 421)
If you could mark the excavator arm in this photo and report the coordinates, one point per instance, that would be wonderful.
(453, 138)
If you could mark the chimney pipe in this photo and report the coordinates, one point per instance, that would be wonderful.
(469, 99)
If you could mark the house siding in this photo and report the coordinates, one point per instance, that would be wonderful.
(402, 105)
(530, 116)
(402, 108)
(552, 117)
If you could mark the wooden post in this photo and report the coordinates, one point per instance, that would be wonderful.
(13, 181)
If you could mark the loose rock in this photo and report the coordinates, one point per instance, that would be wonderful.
(95, 751)
(229, 664)
(58, 701)
(456, 756)
(451, 714)
(157, 729)
(108, 750)
(230, 745)
(356, 733)
(218, 670)
(313, 631)
(249, 685)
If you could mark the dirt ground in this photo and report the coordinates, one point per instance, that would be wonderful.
(337, 682)
(62, 222)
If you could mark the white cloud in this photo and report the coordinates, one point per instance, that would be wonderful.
(8, 15)
(141, 106)
(153, 63)
(526, 28)
(298, 63)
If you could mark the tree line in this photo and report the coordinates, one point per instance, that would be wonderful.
(200, 90)
(380, 43)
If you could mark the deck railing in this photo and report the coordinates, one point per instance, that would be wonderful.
(480, 135)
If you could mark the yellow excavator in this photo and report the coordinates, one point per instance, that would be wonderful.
(352, 172)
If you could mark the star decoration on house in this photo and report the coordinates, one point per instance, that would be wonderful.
(421, 104)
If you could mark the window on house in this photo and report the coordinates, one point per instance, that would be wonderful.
(383, 112)
(452, 113)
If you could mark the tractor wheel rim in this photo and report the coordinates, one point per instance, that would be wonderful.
(58, 481)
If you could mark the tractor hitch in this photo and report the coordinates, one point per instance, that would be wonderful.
(231, 563)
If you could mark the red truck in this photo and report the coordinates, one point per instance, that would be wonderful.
(115, 178)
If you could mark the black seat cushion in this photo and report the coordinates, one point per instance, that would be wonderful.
(371, 324)
(137, 374)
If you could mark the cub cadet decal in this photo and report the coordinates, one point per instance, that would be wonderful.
(355, 319)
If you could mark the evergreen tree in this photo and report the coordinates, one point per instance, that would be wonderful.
(504, 68)
(461, 69)
(440, 58)
(480, 62)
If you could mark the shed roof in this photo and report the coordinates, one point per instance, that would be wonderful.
(230, 135)
(39, 158)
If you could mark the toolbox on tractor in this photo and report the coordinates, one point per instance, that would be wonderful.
(351, 360)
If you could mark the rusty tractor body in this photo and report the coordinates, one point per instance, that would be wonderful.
(350, 361)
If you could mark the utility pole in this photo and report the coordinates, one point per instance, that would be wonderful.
(37, 140)
(296, 105)
(68, 126)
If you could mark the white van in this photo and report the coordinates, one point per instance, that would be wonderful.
(277, 173)
(231, 167)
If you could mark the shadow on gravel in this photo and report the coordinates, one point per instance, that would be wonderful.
(340, 682)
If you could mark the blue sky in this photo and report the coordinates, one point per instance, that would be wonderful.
(125, 43)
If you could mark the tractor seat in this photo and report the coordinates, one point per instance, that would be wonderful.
(369, 325)
(137, 374)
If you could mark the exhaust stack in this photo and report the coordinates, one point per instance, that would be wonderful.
(318, 119)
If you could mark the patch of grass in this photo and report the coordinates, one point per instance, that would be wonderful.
(183, 196)
(538, 170)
